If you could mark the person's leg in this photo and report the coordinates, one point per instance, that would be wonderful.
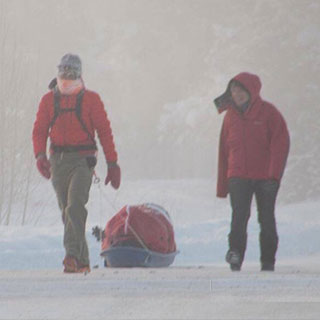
(76, 213)
(61, 171)
(241, 193)
(266, 194)
(60, 182)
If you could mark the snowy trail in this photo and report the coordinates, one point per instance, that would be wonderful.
(175, 293)
(198, 286)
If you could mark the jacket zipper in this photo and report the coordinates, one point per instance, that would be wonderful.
(243, 120)
(64, 122)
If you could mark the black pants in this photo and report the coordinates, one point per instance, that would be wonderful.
(241, 192)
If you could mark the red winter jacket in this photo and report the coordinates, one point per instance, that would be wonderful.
(67, 130)
(253, 144)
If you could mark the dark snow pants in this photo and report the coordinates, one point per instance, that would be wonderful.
(71, 179)
(241, 192)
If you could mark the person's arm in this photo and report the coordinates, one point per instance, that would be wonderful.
(102, 125)
(279, 145)
(40, 136)
(222, 183)
(41, 128)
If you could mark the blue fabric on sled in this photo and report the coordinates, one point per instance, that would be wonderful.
(120, 257)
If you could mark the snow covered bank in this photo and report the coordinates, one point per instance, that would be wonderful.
(198, 286)
(201, 225)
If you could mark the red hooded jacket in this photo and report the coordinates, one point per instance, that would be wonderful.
(253, 144)
(67, 129)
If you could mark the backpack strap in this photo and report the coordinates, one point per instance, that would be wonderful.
(78, 111)
(56, 106)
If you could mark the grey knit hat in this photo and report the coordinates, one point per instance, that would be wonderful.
(70, 67)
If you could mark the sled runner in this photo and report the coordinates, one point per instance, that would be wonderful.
(139, 236)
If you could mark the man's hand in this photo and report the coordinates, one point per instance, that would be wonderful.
(114, 175)
(43, 166)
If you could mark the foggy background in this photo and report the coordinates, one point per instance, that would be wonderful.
(157, 65)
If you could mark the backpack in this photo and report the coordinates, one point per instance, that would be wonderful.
(78, 111)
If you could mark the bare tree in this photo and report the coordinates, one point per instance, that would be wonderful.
(15, 146)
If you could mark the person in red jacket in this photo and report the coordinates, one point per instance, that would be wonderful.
(253, 150)
(70, 115)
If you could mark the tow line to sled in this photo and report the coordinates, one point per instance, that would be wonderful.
(126, 235)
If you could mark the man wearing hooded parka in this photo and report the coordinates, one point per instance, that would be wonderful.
(253, 150)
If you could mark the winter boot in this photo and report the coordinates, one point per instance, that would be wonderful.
(234, 259)
(83, 268)
(266, 266)
(70, 264)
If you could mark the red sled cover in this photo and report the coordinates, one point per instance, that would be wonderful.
(147, 226)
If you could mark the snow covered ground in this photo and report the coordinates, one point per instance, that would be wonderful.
(175, 293)
(199, 285)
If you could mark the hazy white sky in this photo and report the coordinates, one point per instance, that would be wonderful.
(143, 55)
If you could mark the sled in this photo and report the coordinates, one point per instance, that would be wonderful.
(133, 257)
